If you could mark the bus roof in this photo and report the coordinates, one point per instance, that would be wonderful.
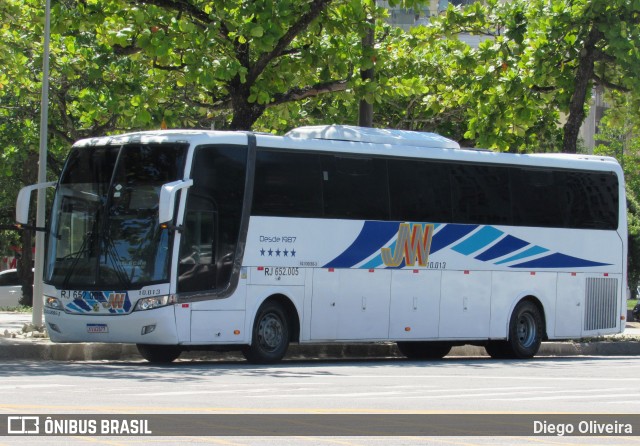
(350, 139)
(373, 135)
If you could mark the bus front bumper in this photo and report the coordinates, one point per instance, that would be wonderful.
(157, 326)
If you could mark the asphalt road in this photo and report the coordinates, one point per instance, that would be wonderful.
(583, 385)
(580, 384)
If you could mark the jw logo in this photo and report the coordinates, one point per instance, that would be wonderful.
(413, 245)
(116, 301)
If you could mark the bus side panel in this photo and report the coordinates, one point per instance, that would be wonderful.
(569, 306)
(215, 321)
(218, 327)
(324, 315)
(508, 288)
(415, 304)
(183, 323)
(350, 304)
(465, 304)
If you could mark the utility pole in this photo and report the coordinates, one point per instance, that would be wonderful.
(365, 116)
(36, 317)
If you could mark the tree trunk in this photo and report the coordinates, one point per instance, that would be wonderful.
(584, 75)
(245, 114)
(365, 117)
(25, 262)
(25, 272)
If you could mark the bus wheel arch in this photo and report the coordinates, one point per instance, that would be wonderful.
(275, 325)
(525, 332)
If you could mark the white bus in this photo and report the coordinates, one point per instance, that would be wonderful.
(190, 240)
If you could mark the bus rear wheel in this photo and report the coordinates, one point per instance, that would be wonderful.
(270, 338)
(159, 354)
(424, 350)
(526, 329)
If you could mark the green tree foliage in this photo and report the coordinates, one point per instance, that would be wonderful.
(93, 90)
(619, 136)
(120, 65)
(536, 59)
(234, 59)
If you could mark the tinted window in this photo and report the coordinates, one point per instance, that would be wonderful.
(288, 184)
(9, 279)
(355, 188)
(419, 191)
(535, 198)
(212, 220)
(480, 194)
(327, 186)
(590, 199)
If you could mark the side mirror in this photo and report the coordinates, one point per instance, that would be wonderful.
(167, 203)
(24, 197)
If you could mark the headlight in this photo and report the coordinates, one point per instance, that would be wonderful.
(53, 302)
(149, 303)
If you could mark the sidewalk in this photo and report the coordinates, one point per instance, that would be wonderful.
(19, 340)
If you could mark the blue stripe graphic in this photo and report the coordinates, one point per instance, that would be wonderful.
(505, 246)
(558, 260)
(372, 237)
(482, 238)
(448, 235)
(533, 251)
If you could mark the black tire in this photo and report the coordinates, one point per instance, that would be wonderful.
(270, 337)
(159, 354)
(424, 350)
(526, 329)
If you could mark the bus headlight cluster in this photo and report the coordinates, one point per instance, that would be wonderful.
(149, 303)
(52, 302)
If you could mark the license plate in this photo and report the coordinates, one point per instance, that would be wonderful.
(97, 328)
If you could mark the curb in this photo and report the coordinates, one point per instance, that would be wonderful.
(11, 349)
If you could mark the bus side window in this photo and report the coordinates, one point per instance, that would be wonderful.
(212, 219)
(480, 194)
(355, 188)
(527, 187)
(196, 267)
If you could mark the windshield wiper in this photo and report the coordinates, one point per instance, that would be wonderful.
(76, 258)
(111, 253)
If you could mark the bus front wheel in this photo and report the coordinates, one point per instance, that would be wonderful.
(160, 354)
(270, 338)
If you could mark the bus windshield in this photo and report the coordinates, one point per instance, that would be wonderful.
(104, 221)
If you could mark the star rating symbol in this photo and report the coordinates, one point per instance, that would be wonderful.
(277, 252)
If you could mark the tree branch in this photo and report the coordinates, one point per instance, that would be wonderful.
(168, 67)
(120, 50)
(610, 84)
(296, 94)
(315, 9)
(180, 6)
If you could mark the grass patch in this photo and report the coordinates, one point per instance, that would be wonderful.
(18, 309)
(631, 303)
